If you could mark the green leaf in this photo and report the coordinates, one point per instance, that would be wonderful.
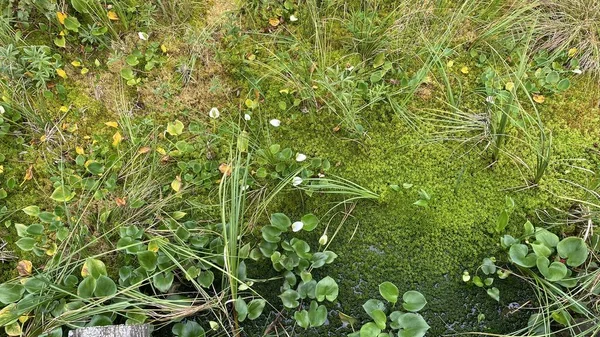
(552, 77)
(95, 168)
(563, 85)
(147, 260)
(529, 229)
(370, 330)
(35, 229)
(372, 305)
(554, 271)
(3, 193)
(281, 221)
(327, 288)
(175, 128)
(31, 210)
(290, 298)
(494, 293)
(302, 319)
(105, 287)
(317, 314)
(502, 222)
(380, 318)
(86, 287)
(379, 60)
(488, 267)
(80, 5)
(574, 250)
(518, 254)
(10, 293)
(310, 222)
(255, 308)
(62, 194)
(163, 281)
(241, 308)
(413, 301)
(389, 291)
(95, 267)
(546, 237)
(71, 23)
(541, 249)
(127, 73)
(206, 278)
(26, 244)
(188, 329)
(100, 320)
(411, 325)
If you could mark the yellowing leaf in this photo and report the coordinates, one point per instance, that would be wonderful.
(60, 72)
(163, 48)
(274, 22)
(84, 71)
(61, 17)
(176, 184)
(24, 267)
(572, 52)
(117, 138)
(144, 149)
(153, 246)
(450, 64)
(63, 109)
(509, 86)
(84, 270)
(464, 70)
(72, 128)
(539, 98)
(112, 15)
(112, 124)
(1, 169)
(28, 173)
(51, 250)
(225, 169)
(24, 318)
(76, 64)
(161, 151)
(121, 201)
(79, 150)
(43, 138)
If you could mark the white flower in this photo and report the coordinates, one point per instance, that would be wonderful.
(577, 71)
(349, 67)
(245, 187)
(275, 122)
(323, 240)
(247, 117)
(490, 99)
(2, 110)
(143, 36)
(300, 157)
(297, 226)
(321, 175)
(293, 18)
(214, 113)
(296, 181)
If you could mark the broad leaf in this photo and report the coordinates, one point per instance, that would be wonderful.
(413, 301)
(574, 250)
(327, 288)
(518, 254)
(389, 291)
(105, 287)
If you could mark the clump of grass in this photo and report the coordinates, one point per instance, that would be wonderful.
(565, 24)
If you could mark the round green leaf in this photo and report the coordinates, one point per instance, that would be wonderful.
(488, 267)
(241, 308)
(62, 194)
(554, 271)
(552, 77)
(563, 85)
(370, 330)
(281, 221)
(518, 254)
(163, 281)
(574, 250)
(302, 319)
(372, 305)
(413, 301)
(327, 288)
(290, 299)
(100, 320)
(86, 287)
(26, 244)
(546, 237)
(255, 308)
(380, 318)
(310, 222)
(188, 329)
(317, 314)
(147, 260)
(412, 325)
(389, 291)
(95, 267)
(105, 287)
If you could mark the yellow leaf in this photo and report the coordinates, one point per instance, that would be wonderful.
(539, 98)
(112, 124)
(112, 15)
(24, 267)
(161, 151)
(76, 63)
(225, 169)
(61, 17)
(29, 173)
(62, 33)
(84, 270)
(61, 73)
(144, 149)
(51, 250)
(450, 64)
(1, 169)
(63, 109)
(24, 318)
(572, 52)
(84, 71)
(509, 86)
(117, 138)
(163, 48)
(43, 138)
(153, 246)
(176, 184)
(79, 150)
(274, 22)
(464, 70)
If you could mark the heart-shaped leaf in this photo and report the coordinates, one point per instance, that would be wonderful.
(62, 194)
(370, 330)
(574, 250)
(188, 329)
(494, 293)
(105, 287)
(389, 291)
(327, 288)
(310, 222)
(163, 281)
(554, 271)
(317, 314)
(147, 260)
(86, 287)
(10, 293)
(290, 298)
(412, 325)
(281, 221)
(518, 254)
(255, 308)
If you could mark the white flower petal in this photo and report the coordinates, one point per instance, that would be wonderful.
(275, 122)
(293, 18)
(323, 240)
(300, 157)
(577, 71)
(297, 226)
(143, 36)
(214, 113)
(296, 181)
(247, 117)
(2, 111)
